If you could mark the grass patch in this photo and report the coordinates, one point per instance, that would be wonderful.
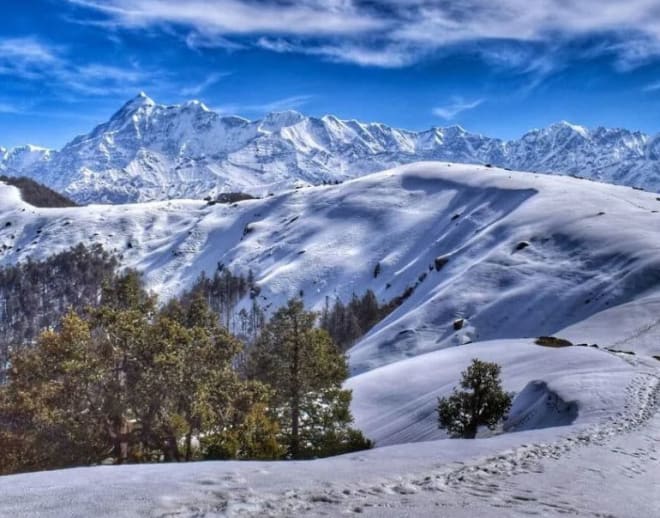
(552, 341)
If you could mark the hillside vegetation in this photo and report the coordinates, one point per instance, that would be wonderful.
(37, 194)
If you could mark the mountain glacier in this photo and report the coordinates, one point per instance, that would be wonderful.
(148, 151)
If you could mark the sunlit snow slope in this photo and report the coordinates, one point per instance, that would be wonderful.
(519, 255)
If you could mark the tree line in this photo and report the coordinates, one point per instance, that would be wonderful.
(129, 380)
(34, 295)
(347, 323)
(222, 291)
(37, 194)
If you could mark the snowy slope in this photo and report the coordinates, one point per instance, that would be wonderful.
(572, 388)
(527, 254)
(148, 151)
(605, 466)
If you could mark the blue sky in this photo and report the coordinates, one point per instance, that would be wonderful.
(498, 68)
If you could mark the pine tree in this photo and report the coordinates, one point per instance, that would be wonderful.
(35, 295)
(129, 383)
(49, 411)
(202, 385)
(369, 313)
(305, 370)
(124, 347)
(482, 403)
(346, 324)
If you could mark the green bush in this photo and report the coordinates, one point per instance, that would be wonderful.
(481, 403)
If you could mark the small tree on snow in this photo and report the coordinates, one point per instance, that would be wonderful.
(482, 403)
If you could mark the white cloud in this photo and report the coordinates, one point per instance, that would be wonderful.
(32, 61)
(198, 41)
(652, 87)
(8, 108)
(309, 17)
(26, 50)
(389, 33)
(27, 57)
(287, 103)
(541, 20)
(110, 73)
(456, 106)
(634, 51)
(390, 56)
(203, 85)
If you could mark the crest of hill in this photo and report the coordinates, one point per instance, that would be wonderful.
(468, 253)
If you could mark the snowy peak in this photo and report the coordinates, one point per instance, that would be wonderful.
(275, 121)
(18, 160)
(148, 151)
(141, 100)
(567, 127)
(139, 104)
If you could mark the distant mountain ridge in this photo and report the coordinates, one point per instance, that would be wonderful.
(148, 151)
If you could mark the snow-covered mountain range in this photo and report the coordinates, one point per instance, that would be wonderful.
(148, 151)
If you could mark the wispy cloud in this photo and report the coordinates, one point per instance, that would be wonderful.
(26, 50)
(26, 57)
(652, 87)
(308, 17)
(34, 61)
(9, 108)
(456, 106)
(199, 41)
(394, 33)
(388, 56)
(200, 87)
(287, 103)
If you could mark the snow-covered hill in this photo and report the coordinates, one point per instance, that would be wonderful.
(148, 151)
(505, 256)
(483, 254)
(499, 254)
